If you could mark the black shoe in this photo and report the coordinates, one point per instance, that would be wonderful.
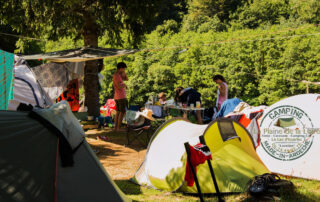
(258, 186)
(268, 183)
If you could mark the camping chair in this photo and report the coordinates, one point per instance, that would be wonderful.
(202, 141)
(137, 128)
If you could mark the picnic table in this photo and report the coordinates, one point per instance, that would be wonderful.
(188, 109)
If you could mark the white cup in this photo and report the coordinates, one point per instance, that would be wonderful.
(192, 106)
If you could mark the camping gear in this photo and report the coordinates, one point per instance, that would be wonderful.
(268, 184)
(156, 110)
(235, 160)
(27, 89)
(138, 123)
(105, 121)
(227, 107)
(31, 161)
(289, 137)
(248, 116)
(6, 78)
(138, 131)
(214, 180)
(194, 174)
(147, 113)
(71, 95)
(202, 153)
(108, 107)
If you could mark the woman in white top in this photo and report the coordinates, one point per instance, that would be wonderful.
(222, 94)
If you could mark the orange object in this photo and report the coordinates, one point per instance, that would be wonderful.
(244, 121)
(71, 95)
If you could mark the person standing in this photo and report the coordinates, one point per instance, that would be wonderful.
(120, 94)
(222, 94)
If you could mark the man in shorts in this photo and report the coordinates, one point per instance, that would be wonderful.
(120, 94)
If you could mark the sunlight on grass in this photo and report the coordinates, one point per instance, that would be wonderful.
(305, 190)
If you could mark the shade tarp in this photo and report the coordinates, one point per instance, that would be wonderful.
(80, 54)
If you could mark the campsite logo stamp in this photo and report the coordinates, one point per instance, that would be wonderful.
(287, 133)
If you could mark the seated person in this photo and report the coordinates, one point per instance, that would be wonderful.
(189, 96)
(162, 98)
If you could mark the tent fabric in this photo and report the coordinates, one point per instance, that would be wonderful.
(27, 90)
(6, 78)
(86, 180)
(235, 161)
(289, 136)
(27, 158)
(80, 54)
(53, 78)
(52, 75)
(63, 119)
(248, 116)
(32, 172)
(244, 108)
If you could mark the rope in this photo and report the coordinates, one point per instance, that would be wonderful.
(20, 36)
(237, 40)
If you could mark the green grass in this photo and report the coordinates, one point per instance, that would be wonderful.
(305, 190)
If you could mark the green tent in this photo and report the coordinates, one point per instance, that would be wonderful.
(285, 122)
(31, 164)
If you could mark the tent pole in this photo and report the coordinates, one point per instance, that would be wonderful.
(186, 145)
(202, 141)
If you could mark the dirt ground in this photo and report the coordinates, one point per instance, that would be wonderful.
(119, 159)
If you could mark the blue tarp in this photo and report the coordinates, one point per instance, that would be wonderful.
(228, 106)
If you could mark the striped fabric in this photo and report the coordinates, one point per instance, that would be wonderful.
(6, 78)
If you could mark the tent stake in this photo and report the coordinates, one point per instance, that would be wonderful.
(186, 145)
(202, 141)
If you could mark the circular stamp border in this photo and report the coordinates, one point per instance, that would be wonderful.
(311, 139)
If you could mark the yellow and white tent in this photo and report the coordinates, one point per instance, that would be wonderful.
(235, 161)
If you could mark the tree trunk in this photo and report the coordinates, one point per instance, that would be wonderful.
(90, 35)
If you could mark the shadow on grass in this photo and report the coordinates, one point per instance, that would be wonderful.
(120, 138)
(128, 187)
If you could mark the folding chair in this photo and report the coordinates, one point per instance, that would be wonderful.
(202, 141)
(137, 132)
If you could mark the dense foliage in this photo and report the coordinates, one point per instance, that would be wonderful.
(261, 66)
(264, 48)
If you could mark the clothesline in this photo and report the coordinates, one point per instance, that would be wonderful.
(20, 36)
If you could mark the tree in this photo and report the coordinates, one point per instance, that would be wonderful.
(85, 19)
(7, 42)
(210, 8)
